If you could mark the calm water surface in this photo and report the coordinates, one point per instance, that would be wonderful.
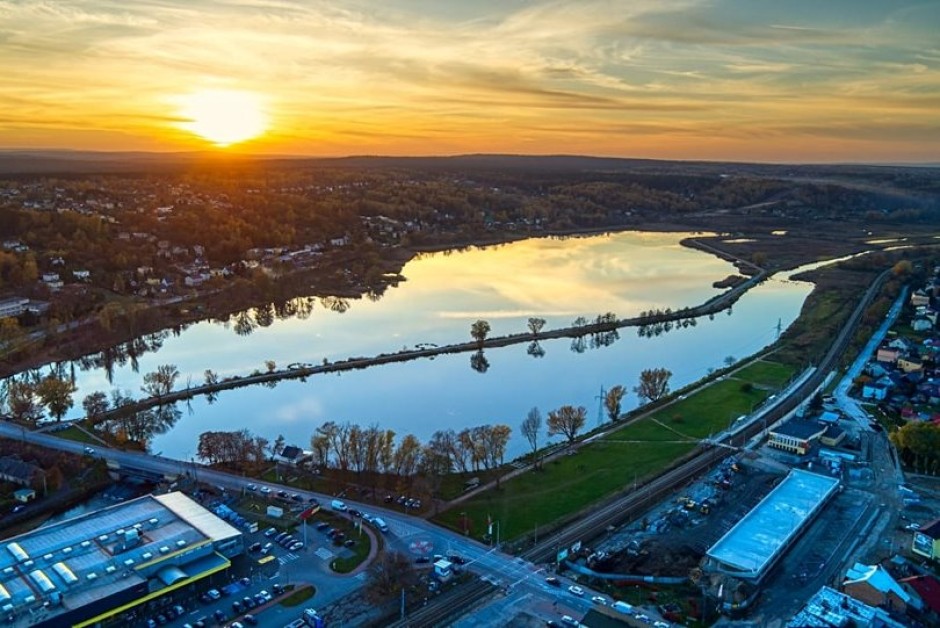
(557, 279)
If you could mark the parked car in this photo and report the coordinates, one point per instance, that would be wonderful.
(576, 590)
(338, 505)
(280, 537)
(349, 543)
(270, 532)
(249, 603)
(322, 527)
(214, 594)
(237, 607)
(282, 494)
(568, 620)
(296, 545)
(379, 523)
(219, 616)
(266, 490)
(250, 619)
(599, 599)
(255, 547)
(252, 487)
(552, 580)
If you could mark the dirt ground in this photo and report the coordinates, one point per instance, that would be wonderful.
(672, 539)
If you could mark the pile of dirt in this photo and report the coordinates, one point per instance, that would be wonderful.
(656, 557)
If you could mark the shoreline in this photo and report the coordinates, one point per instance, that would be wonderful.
(87, 338)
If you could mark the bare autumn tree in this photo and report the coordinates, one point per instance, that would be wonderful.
(654, 384)
(493, 440)
(612, 401)
(337, 435)
(536, 325)
(160, 382)
(95, 405)
(531, 427)
(406, 456)
(388, 575)
(566, 420)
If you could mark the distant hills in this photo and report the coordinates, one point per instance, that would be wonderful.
(25, 162)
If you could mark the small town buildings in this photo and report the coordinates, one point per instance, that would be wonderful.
(873, 585)
(291, 454)
(796, 436)
(927, 588)
(910, 364)
(833, 436)
(927, 540)
(888, 355)
(14, 470)
(828, 608)
(12, 307)
(919, 297)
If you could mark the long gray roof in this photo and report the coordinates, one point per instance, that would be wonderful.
(756, 539)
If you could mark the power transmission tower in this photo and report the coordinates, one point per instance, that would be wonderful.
(600, 406)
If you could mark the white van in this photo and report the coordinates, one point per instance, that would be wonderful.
(379, 523)
(338, 505)
(622, 607)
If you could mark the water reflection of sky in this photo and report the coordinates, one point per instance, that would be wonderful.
(422, 396)
(557, 279)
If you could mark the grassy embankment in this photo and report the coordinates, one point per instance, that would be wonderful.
(626, 456)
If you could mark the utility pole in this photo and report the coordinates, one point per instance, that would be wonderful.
(600, 407)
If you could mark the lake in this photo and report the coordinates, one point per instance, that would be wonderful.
(553, 278)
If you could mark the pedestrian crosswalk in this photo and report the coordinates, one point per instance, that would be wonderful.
(287, 558)
(324, 553)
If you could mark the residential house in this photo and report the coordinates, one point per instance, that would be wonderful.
(921, 324)
(875, 390)
(919, 297)
(14, 470)
(795, 436)
(927, 540)
(873, 585)
(901, 344)
(13, 306)
(829, 607)
(927, 588)
(887, 355)
(833, 436)
(910, 364)
(292, 454)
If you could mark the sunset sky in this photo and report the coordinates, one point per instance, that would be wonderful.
(753, 80)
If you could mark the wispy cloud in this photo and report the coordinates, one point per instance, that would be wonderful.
(448, 76)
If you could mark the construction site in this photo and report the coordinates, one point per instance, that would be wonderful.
(672, 538)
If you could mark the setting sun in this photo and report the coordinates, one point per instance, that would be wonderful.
(223, 117)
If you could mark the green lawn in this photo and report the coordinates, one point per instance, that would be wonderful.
(571, 483)
(768, 374)
(564, 487)
(73, 433)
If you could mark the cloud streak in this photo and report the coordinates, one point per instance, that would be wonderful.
(495, 76)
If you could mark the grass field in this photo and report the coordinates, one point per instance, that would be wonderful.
(571, 483)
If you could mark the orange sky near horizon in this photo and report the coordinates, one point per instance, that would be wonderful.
(746, 80)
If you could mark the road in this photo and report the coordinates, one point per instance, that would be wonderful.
(847, 404)
(411, 535)
(416, 536)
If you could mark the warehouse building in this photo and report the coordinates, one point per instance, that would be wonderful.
(101, 566)
(756, 542)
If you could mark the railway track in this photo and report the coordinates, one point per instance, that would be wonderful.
(447, 606)
(630, 506)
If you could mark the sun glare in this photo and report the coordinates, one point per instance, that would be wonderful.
(223, 117)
